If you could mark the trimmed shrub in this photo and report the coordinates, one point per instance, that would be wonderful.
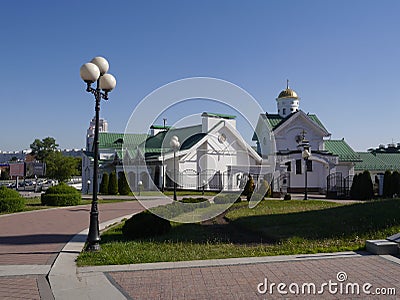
(193, 200)
(113, 184)
(61, 195)
(104, 184)
(145, 225)
(387, 184)
(287, 197)
(10, 200)
(123, 186)
(227, 198)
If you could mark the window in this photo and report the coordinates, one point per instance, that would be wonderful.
(289, 166)
(298, 166)
(284, 111)
(309, 165)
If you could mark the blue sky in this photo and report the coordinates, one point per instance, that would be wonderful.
(341, 57)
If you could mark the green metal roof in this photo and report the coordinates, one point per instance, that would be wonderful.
(115, 140)
(343, 150)
(378, 161)
(275, 120)
(187, 136)
(223, 116)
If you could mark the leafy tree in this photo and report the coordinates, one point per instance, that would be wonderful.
(41, 149)
(249, 188)
(5, 174)
(387, 184)
(60, 167)
(104, 184)
(113, 184)
(123, 186)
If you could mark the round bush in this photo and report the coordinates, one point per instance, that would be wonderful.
(61, 195)
(10, 200)
(144, 225)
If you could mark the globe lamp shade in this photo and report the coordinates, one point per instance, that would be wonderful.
(89, 72)
(107, 82)
(101, 63)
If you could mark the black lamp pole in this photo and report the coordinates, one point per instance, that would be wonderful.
(95, 71)
(305, 179)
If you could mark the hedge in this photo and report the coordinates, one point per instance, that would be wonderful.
(61, 195)
(10, 200)
(144, 225)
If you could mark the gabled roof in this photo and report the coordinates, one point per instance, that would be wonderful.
(343, 150)
(116, 140)
(187, 136)
(276, 121)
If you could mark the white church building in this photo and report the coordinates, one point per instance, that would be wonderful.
(213, 155)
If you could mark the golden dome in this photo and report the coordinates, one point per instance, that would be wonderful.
(288, 93)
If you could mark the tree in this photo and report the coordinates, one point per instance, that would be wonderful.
(41, 149)
(355, 187)
(104, 184)
(249, 188)
(395, 184)
(367, 190)
(60, 167)
(123, 186)
(387, 184)
(113, 184)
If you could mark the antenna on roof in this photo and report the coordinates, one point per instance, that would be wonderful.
(287, 83)
(165, 121)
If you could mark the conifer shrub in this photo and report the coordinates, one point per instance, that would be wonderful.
(145, 225)
(10, 200)
(123, 186)
(61, 195)
(104, 184)
(113, 184)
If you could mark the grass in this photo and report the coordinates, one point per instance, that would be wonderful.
(290, 227)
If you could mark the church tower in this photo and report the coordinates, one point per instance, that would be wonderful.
(287, 101)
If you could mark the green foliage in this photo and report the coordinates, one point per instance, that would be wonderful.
(249, 188)
(193, 200)
(226, 199)
(387, 184)
(60, 167)
(41, 149)
(287, 197)
(264, 189)
(113, 184)
(10, 200)
(5, 174)
(395, 183)
(144, 225)
(362, 187)
(61, 195)
(123, 186)
(104, 184)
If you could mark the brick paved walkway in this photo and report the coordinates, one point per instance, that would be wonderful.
(36, 238)
(241, 281)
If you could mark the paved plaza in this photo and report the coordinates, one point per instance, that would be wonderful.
(38, 251)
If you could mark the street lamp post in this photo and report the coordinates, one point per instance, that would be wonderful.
(96, 71)
(174, 143)
(140, 183)
(306, 156)
(88, 186)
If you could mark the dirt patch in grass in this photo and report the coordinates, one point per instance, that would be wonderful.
(224, 230)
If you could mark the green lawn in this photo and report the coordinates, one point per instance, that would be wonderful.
(285, 227)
